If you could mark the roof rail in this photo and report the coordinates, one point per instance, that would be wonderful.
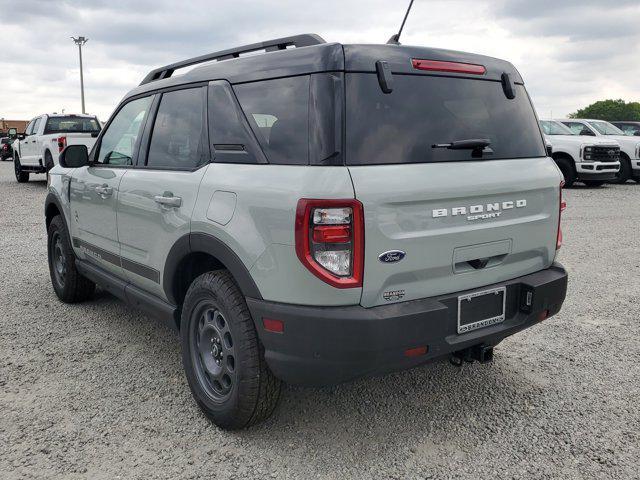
(303, 40)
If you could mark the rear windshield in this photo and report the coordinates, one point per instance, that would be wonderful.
(403, 126)
(71, 124)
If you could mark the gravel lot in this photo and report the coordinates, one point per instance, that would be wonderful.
(97, 390)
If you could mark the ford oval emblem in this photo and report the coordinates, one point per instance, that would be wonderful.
(392, 256)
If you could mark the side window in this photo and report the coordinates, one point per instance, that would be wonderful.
(120, 140)
(178, 138)
(278, 111)
(579, 129)
(29, 129)
(36, 125)
(231, 137)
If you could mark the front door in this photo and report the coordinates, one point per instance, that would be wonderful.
(28, 145)
(157, 198)
(95, 189)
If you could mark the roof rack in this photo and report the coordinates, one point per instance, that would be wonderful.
(304, 40)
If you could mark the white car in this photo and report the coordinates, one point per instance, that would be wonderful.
(629, 146)
(590, 160)
(46, 136)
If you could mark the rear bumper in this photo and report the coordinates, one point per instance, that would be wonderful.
(323, 346)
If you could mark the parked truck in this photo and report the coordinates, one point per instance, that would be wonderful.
(590, 160)
(38, 149)
(629, 146)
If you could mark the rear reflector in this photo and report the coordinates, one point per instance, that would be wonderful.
(416, 352)
(563, 207)
(543, 315)
(271, 325)
(332, 234)
(453, 67)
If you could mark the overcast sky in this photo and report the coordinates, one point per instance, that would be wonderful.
(570, 52)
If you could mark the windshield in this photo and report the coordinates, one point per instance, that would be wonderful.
(425, 114)
(71, 124)
(554, 128)
(605, 128)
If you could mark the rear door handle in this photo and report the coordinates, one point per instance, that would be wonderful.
(104, 191)
(168, 200)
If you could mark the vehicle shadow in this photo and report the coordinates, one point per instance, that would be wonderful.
(400, 408)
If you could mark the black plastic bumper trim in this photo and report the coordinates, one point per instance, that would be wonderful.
(323, 346)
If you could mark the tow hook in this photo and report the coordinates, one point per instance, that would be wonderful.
(479, 353)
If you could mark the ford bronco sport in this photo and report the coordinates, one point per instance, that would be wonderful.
(315, 214)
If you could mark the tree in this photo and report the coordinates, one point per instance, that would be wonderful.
(610, 110)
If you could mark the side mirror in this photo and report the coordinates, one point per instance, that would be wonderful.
(74, 156)
(21, 136)
(95, 134)
(587, 133)
(549, 150)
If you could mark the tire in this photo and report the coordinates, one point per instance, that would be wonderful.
(21, 177)
(70, 286)
(222, 356)
(569, 173)
(625, 171)
(48, 161)
(593, 183)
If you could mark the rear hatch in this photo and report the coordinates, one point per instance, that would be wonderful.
(453, 220)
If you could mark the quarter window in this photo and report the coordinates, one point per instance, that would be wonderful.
(120, 140)
(178, 139)
(278, 111)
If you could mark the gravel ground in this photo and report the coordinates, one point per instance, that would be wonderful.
(97, 390)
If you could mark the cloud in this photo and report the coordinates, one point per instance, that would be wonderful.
(570, 53)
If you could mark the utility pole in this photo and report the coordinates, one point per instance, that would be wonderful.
(80, 41)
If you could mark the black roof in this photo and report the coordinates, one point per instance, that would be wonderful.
(312, 55)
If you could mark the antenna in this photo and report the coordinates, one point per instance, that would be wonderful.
(395, 39)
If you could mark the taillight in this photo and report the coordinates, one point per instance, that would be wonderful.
(330, 240)
(453, 67)
(62, 143)
(563, 206)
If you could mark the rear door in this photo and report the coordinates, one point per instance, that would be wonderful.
(462, 218)
(95, 189)
(157, 198)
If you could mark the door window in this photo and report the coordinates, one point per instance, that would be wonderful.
(579, 128)
(178, 139)
(121, 138)
(36, 125)
(29, 129)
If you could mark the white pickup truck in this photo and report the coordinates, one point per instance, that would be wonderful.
(590, 160)
(37, 151)
(629, 146)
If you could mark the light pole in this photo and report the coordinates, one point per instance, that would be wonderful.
(80, 41)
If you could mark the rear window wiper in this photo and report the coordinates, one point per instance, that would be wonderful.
(471, 144)
(478, 146)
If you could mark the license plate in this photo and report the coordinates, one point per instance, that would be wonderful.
(481, 309)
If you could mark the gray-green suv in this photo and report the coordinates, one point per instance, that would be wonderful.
(315, 214)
